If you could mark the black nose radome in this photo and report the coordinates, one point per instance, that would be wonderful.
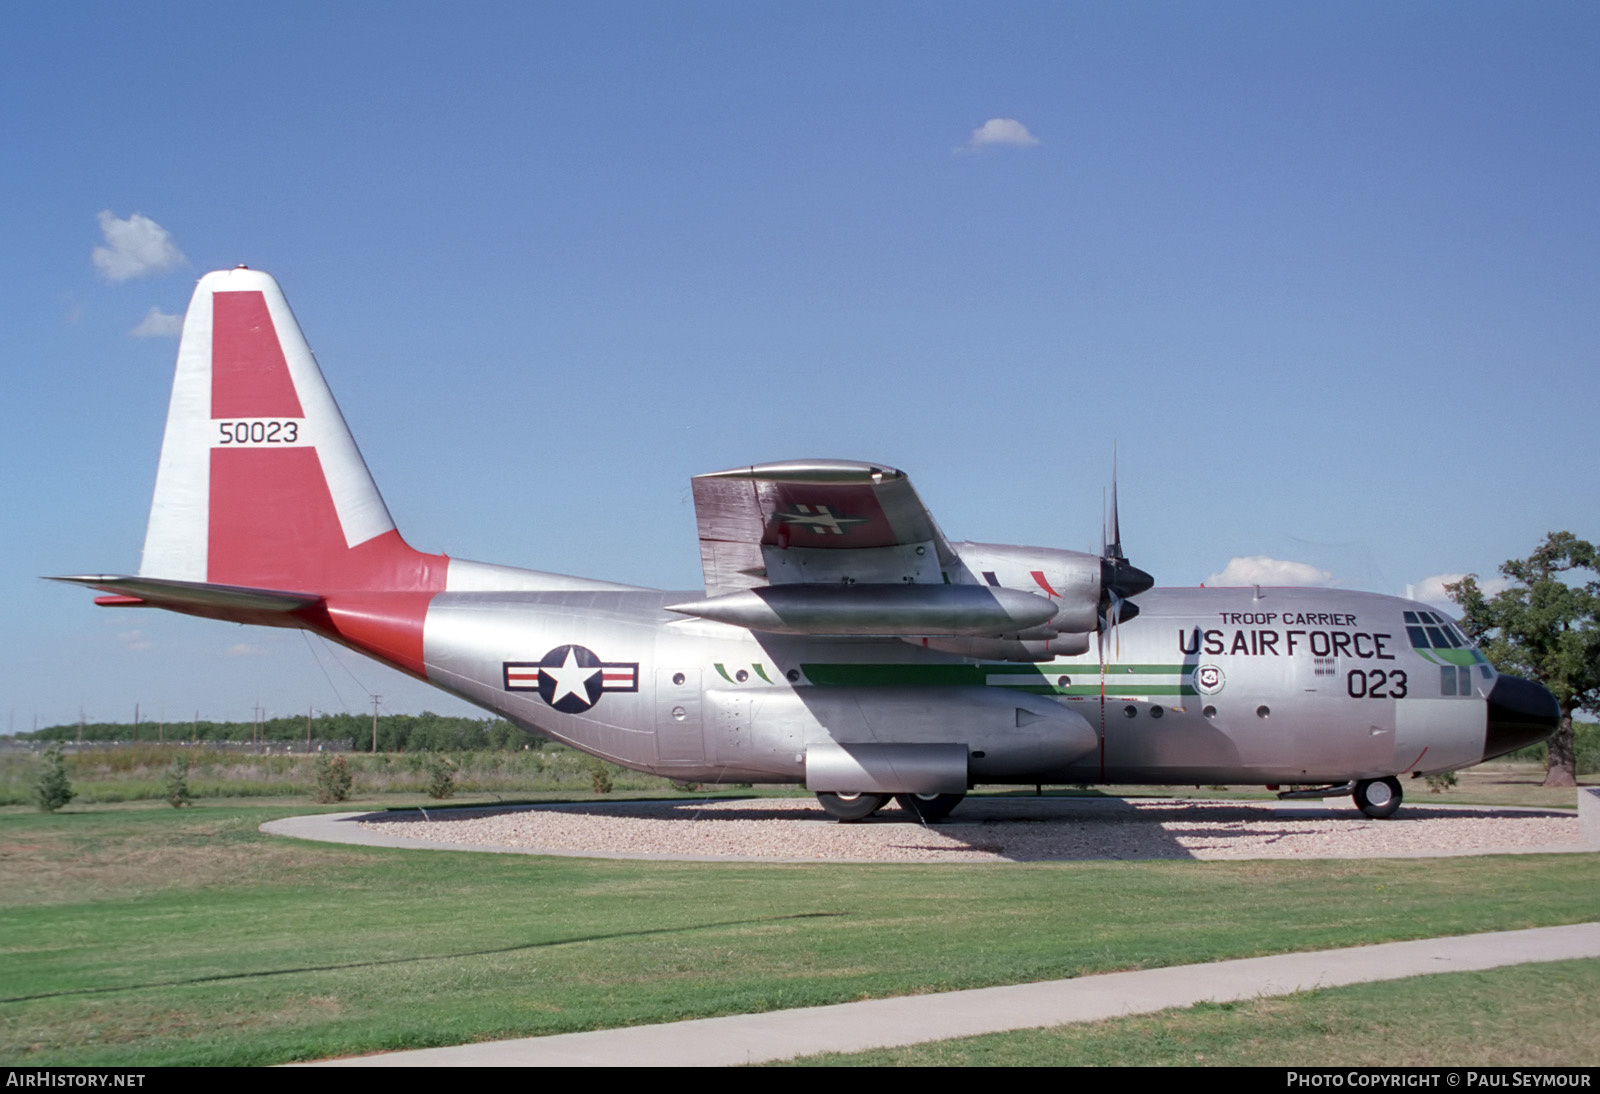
(1521, 713)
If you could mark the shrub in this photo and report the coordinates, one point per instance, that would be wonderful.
(178, 781)
(441, 777)
(53, 790)
(1438, 784)
(333, 778)
(599, 776)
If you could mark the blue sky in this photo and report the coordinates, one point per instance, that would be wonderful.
(1326, 274)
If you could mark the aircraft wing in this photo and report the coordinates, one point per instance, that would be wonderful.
(816, 522)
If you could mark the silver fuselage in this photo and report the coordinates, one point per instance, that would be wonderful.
(1204, 686)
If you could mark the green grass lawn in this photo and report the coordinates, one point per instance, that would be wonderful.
(145, 935)
(1527, 1015)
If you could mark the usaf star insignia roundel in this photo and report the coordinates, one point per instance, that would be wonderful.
(571, 678)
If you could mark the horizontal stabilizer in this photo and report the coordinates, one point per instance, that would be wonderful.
(194, 597)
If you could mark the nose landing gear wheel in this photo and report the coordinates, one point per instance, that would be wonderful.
(929, 808)
(1378, 798)
(851, 807)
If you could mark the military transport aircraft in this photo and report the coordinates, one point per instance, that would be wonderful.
(841, 641)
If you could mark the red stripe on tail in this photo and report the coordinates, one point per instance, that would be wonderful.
(273, 523)
(274, 526)
(249, 377)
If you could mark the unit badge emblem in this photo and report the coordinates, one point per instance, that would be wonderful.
(1208, 679)
(571, 678)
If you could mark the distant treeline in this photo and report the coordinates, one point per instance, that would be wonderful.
(425, 732)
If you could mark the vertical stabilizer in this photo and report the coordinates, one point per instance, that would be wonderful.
(260, 482)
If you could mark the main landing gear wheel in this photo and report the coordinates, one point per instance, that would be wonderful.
(851, 807)
(929, 808)
(1378, 798)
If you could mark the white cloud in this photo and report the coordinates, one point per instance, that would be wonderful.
(134, 640)
(134, 247)
(158, 324)
(1261, 570)
(1430, 590)
(244, 649)
(1000, 131)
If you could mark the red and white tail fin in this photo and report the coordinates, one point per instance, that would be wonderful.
(264, 510)
(260, 483)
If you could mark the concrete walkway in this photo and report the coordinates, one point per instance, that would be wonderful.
(882, 1023)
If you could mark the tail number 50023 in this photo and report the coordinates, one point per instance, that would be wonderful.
(259, 431)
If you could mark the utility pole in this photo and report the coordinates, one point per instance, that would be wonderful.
(136, 721)
(375, 699)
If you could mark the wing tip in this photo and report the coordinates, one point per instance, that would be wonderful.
(821, 472)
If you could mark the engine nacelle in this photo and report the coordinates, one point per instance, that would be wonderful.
(1068, 579)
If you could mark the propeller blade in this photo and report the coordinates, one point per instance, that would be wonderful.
(1114, 548)
(1120, 580)
(1117, 575)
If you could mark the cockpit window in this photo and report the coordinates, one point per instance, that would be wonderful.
(1432, 630)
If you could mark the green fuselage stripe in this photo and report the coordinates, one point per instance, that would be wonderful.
(1083, 679)
(1465, 657)
(1114, 690)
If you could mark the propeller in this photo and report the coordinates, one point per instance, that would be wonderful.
(1120, 580)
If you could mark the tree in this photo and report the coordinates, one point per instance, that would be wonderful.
(178, 781)
(333, 778)
(441, 776)
(1544, 627)
(52, 790)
